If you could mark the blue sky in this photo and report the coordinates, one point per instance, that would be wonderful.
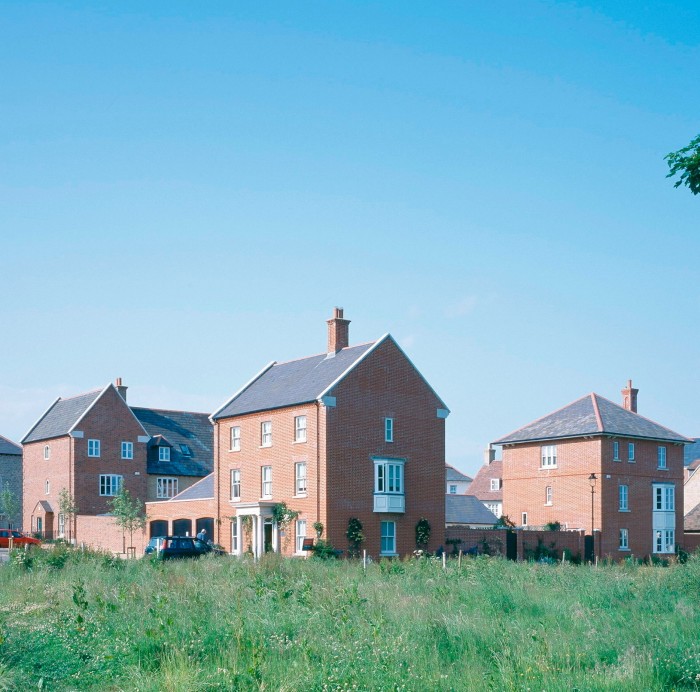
(187, 189)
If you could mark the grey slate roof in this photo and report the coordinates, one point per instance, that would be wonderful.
(295, 382)
(691, 452)
(178, 428)
(691, 521)
(9, 447)
(61, 417)
(201, 490)
(591, 415)
(467, 509)
(452, 474)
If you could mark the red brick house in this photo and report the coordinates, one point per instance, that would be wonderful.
(354, 432)
(93, 444)
(598, 466)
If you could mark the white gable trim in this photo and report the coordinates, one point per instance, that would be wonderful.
(241, 390)
(343, 375)
(374, 346)
(41, 418)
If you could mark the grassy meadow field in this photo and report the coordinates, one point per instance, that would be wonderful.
(73, 621)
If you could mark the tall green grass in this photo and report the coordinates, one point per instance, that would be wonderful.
(70, 621)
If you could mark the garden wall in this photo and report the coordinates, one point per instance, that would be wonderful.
(102, 533)
(529, 544)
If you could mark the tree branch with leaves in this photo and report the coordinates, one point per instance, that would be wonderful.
(686, 161)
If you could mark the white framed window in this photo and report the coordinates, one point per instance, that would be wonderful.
(388, 430)
(235, 438)
(549, 456)
(61, 525)
(664, 541)
(630, 452)
(494, 507)
(110, 483)
(47, 452)
(163, 453)
(661, 457)
(616, 450)
(624, 539)
(127, 450)
(300, 478)
(523, 519)
(93, 448)
(453, 490)
(266, 479)
(266, 434)
(235, 484)
(388, 538)
(664, 498)
(299, 428)
(495, 484)
(548, 495)
(235, 547)
(166, 487)
(388, 476)
(47, 487)
(623, 497)
(300, 535)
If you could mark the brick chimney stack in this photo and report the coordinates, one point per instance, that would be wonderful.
(629, 397)
(120, 388)
(338, 332)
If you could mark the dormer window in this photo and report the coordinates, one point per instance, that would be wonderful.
(163, 453)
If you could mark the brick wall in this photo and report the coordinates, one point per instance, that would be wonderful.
(384, 385)
(102, 533)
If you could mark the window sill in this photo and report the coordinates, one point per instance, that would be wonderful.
(624, 550)
(547, 468)
(631, 461)
(662, 468)
(235, 499)
(264, 446)
(617, 460)
(388, 554)
(301, 495)
(299, 442)
(624, 510)
(547, 504)
(235, 450)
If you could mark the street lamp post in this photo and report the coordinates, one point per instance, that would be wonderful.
(592, 479)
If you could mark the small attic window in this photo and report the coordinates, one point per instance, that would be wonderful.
(185, 449)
